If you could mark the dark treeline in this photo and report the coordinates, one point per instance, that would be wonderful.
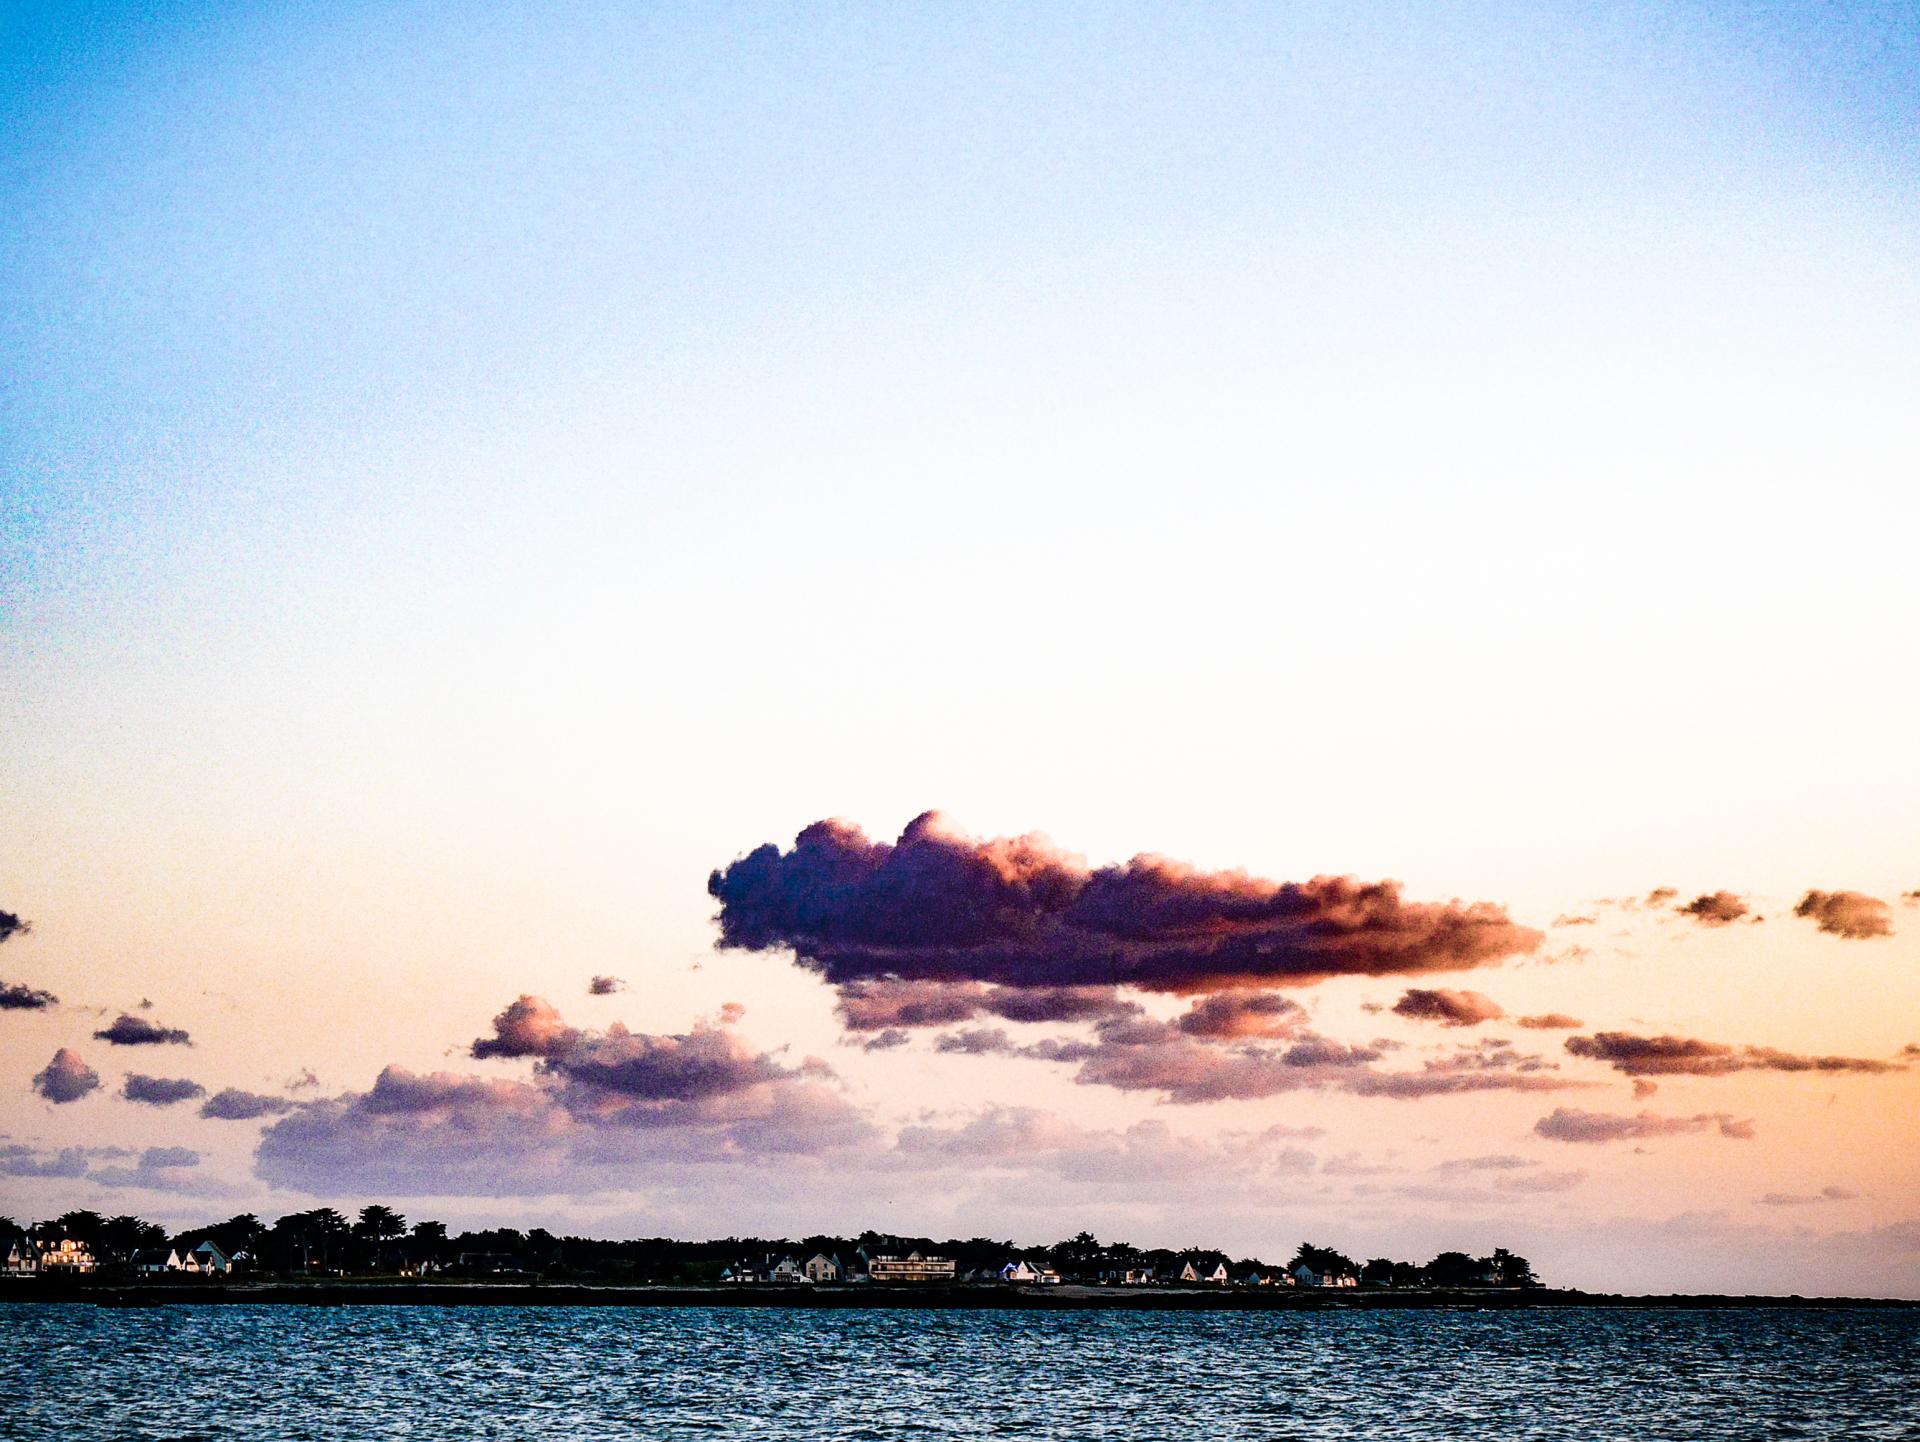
(381, 1242)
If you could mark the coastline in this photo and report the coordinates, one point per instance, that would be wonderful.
(957, 1298)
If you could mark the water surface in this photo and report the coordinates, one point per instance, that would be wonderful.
(76, 1373)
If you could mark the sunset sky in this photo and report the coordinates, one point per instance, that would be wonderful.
(1219, 625)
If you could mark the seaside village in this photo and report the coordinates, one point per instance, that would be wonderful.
(85, 1248)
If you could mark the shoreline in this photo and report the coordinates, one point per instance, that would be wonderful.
(956, 1298)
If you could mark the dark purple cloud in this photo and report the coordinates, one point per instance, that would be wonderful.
(941, 906)
(1717, 908)
(66, 1078)
(234, 1105)
(160, 1091)
(605, 986)
(886, 1040)
(17, 996)
(11, 926)
(1568, 1124)
(1448, 1007)
(1690, 1056)
(1849, 914)
(1549, 1021)
(130, 1030)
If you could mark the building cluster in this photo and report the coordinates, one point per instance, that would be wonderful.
(71, 1257)
(915, 1268)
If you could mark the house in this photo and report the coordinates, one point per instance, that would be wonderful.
(155, 1260)
(1218, 1276)
(822, 1268)
(1253, 1279)
(65, 1255)
(1018, 1272)
(1305, 1276)
(22, 1259)
(211, 1261)
(911, 1268)
(1048, 1277)
(1137, 1277)
(787, 1270)
(1189, 1272)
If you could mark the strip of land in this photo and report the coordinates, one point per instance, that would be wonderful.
(1060, 1298)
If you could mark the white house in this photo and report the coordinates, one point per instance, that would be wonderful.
(1018, 1271)
(65, 1255)
(155, 1260)
(1218, 1276)
(22, 1259)
(822, 1268)
(210, 1260)
(1189, 1272)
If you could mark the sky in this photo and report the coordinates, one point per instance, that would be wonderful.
(1219, 627)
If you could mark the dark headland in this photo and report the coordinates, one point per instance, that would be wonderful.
(970, 1298)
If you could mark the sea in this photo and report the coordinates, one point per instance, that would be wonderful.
(75, 1371)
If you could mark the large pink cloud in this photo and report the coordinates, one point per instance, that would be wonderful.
(941, 906)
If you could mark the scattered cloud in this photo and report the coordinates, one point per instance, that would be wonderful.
(66, 1078)
(234, 1105)
(939, 906)
(1690, 1056)
(1502, 1162)
(20, 1160)
(527, 1027)
(1540, 1183)
(605, 986)
(1549, 1021)
(130, 1030)
(17, 996)
(1231, 1015)
(1573, 919)
(1661, 895)
(882, 1004)
(160, 1091)
(1849, 914)
(1569, 1124)
(600, 1109)
(1808, 1199)
(1145, 1054)
(12, 926)
(1717, 908)
(976, 1041)
(1448, 1007)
